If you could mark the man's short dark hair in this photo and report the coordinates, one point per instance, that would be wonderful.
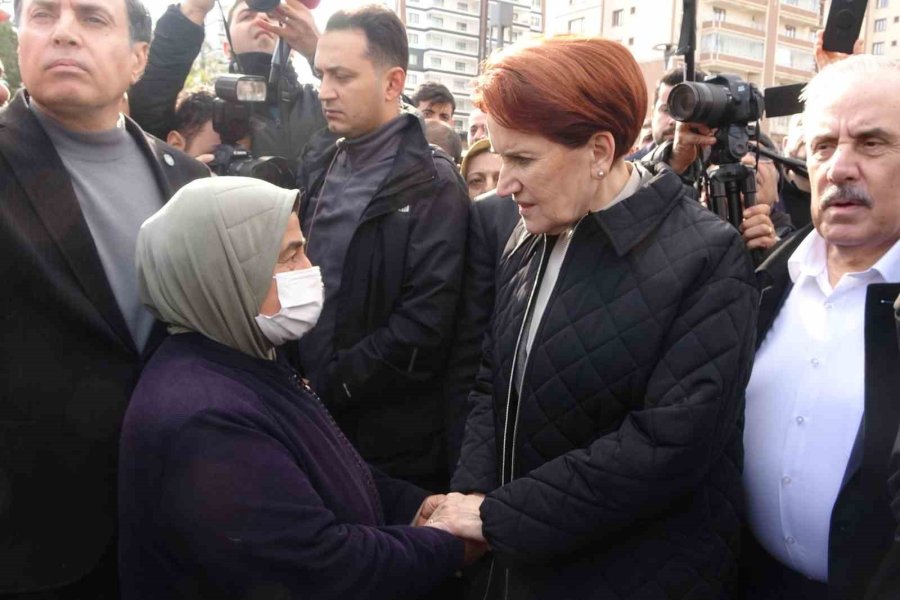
(385, 34)
(673, 77)
(139, 22)
(192, 110)
(442, 135)
(434, 92)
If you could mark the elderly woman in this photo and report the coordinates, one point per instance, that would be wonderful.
(234, 480)
(602, 452)
(480, 168)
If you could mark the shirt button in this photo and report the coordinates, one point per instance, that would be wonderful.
(814, 362)
(790, 540)
(800, 420)
(829, 306)
(786, 480)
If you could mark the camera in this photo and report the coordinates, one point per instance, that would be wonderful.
(236, 96)
(726, 102)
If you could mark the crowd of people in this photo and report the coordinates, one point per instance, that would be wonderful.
(537, 368)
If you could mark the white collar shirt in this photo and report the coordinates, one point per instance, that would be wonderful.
(805, 403)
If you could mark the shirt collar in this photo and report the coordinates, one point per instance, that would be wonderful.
(809, 260)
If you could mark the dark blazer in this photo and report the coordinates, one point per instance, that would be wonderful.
(862, 525)
(67, 361)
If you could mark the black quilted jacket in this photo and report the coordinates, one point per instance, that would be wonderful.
(617, 473)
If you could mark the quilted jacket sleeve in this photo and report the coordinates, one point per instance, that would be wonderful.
(659, 454)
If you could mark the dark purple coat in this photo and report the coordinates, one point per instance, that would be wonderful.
(235, 482)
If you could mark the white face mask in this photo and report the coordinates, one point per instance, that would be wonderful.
(301, 294)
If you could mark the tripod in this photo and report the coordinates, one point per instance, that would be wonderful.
(732, 188)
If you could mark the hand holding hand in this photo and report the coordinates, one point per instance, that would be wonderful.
(429, 505)
(757, 228)
(459, 515)
(690, 138)
(296, 26)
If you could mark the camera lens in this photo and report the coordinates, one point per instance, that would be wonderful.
(700, 103)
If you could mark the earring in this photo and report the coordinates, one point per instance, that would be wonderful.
(600, 173)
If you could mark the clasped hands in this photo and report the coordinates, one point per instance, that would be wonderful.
(458, 514)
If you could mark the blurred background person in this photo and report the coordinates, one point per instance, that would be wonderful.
(481, 168)
(442, 135)
(476, 126)
(292, 112)
(235, 480)
(194, 133)
(435, 102)
(605, 419)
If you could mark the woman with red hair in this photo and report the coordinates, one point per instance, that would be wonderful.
(602, 453)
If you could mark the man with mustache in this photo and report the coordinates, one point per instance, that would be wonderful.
(822, 412)
(77, 179)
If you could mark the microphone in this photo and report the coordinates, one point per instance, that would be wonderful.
(279, 59)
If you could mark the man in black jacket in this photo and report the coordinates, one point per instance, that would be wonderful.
(385, 217)
(292, 114)
(822, 412)
(77, 179)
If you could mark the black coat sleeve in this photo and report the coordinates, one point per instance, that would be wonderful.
(420, 325)
(176, 43)
(660, 453)
(885, 584)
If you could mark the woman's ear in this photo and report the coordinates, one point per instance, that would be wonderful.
(602, 146)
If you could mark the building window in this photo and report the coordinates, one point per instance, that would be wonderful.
(438, 2)
(413, 38)
(631, 41)
(435, 61)
(536, 22)
(460, 66)
(460, 45)
(460, 84)
(632, 10)
(460, 26)
(576, 25)
(880, 24)
(878, 48)
(893, 43)
(618, 17)
(790, 31)
(436, 21)
(462, 6)
(896, 19)
(882, 4)
(412, 18)
(411, 79)
(719, 15)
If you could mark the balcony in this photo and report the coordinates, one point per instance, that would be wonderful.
(741, 51)
(800, 11)
(756, 6)
(725, 26)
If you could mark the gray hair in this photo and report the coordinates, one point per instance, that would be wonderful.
(820, 85)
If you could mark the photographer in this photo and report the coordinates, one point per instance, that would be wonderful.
(289, 118)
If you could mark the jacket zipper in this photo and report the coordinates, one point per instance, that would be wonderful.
(512, 454)
(534, 287)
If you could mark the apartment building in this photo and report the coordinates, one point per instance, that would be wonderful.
(448, 39)
(766, 42)
(881, 28)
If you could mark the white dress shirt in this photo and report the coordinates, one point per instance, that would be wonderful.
(805, 403)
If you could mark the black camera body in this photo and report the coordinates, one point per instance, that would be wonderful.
(725, 102)
(233, 108)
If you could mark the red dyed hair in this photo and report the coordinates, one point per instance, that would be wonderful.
(566, 89)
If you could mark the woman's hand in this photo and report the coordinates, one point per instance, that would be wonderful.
(429, 505)
(460, 515)
(757, 228)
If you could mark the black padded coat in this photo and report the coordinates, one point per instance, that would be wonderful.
(616, 474)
